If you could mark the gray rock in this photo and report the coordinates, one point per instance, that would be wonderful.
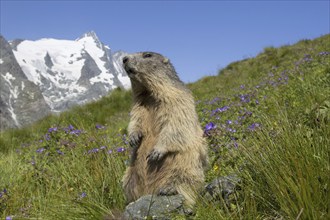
(48, 61)
(89, 70)
(14, 43)
(155, 207)
(222, 187)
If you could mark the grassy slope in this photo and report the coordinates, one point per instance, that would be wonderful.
(270, 115)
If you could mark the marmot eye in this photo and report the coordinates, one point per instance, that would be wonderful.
(147, 55)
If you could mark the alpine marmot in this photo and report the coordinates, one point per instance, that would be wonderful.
(169, 153)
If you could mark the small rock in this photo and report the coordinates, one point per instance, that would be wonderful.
(154, 207)
(223, 187)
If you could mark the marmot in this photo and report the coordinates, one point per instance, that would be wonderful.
(169, 152)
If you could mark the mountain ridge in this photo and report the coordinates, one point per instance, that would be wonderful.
(67, 72)
(20, 99)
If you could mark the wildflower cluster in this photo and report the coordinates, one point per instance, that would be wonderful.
(83, 152)
(3, 199)
(229, 121)
(59, 141)
(324, 53)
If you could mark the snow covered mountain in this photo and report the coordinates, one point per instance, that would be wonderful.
(21, 101)
(69, 72)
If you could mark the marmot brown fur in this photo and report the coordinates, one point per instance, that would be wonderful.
(169, 152)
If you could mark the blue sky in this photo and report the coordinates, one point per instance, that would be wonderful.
(199, 37)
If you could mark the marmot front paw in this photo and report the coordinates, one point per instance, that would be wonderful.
(155, 155)
(135, 139)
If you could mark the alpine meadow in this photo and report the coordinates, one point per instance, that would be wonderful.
(266, 119)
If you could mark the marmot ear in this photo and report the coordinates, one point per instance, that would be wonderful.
(166, 60)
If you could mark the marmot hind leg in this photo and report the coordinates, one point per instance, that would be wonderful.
(132, 185)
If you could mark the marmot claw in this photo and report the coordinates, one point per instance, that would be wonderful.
(155, 155)
(135, 139)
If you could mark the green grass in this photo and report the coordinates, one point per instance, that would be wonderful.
(271, 119)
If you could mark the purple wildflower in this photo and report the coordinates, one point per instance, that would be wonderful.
(9, 218)
(120, 149)
(231, 130)
(209, 126)
(47, 137)
(229, 122)
(215, 100)
(68, 129)
(3, 192)
(324, 53)
(223, 109)
(76, 132)
(109, 152)
(83, 195)
(103, 147)
(40, 150)
(245, 98)
(54, 129)
(242, 86)
(254, 126)
(93, 151)
(98, 126)
(59, 152)
(125, 139)
(248, 113)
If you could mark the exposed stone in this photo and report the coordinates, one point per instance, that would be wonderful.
(154, 207)
(222, 187)
(48, 61)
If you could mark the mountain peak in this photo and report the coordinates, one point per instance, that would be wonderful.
(91, 34)
(88, 36)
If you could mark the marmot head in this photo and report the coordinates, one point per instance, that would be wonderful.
(150, 69)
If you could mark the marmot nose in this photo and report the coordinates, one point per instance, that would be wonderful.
(125, 59)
